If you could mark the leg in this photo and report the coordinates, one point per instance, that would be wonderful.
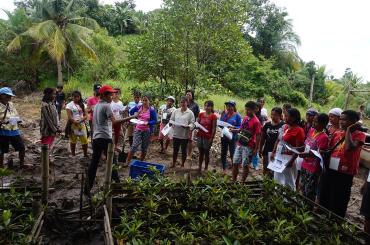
(130, 140)
(184, 145)
(237, 159)
(145, 141)
(135, 145)
(190, 149)
(162, 145)
(201, 157)
(224, 146)
(167, 144)
(22, 154)
(176, 147)
(232, 147)
(98, 148)
(246, 154)
(235, 171)
(245, 172)
(206, 159)
(73, 149)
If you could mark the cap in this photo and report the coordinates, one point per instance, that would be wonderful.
(230, 102)
(171, 98)
(312, 112)
(7, 91)
(97, 86)
(106, 88)
(336, 112)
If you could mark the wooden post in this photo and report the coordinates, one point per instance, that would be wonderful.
(45, 173)
(108, 177)
(311, 89)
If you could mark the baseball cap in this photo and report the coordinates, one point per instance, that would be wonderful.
(312, 112)
(106, 89)
(230, 102)
(7, 91)
(97, 86)
(171, 98)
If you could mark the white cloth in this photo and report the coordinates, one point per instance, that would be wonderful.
(336, 112)
(76, 110)
(287, 177)
(264, 112)
(117, 109)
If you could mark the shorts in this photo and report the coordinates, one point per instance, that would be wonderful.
(140, 138)
(130, 130)
(48, 140)
(15, 141)
(82, 137)
(203, 143)
(242, 155)
(365, 205)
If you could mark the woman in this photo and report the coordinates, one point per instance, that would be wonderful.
(184, 120)
(165, 112)
(77, 116)
(311, 169)
(49, 125)
(193, 106)
(232, 117)
(208, 120)
(333, 128)
(117, 109)
(292, 134)
(269, 136)
(147, 116)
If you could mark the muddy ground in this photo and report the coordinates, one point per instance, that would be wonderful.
(66, 171)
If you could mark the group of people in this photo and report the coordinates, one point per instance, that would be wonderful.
(320, 155)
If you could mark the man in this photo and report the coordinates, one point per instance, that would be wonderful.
(249, 140)
(60, 100)
(102, 137)
(131, 126)
(344, 164)
(91, 102)
(262, 111)
(9, 131)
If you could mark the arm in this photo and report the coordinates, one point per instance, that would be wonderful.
(153, 117)
(351, 144)
(192, 121)
(70, 117)
(214, 126)
(262, 141)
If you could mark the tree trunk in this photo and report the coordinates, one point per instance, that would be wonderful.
(60, 75)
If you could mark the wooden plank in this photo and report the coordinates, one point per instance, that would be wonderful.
(37, 226)
(108, 228)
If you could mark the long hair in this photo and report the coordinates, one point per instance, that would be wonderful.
(80, 102)
(48, 94)
(296, 115)
(211, 104)
(192, 94)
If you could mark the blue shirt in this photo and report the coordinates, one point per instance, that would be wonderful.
(5, 132)
(234, 120)
(131, 105)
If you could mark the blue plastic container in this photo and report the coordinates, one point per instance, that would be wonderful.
(139, 168)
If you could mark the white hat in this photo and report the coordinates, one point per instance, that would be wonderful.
(172, 98)
(336, 111)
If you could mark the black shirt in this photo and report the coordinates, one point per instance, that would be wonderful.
(271, 132)
(60, 98)
(194, 108)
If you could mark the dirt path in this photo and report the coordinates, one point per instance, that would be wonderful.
(66, 171)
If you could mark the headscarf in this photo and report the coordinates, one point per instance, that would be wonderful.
(336, 112)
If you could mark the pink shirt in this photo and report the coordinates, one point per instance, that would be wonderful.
(145, 117)
(316, 141)
(92, 101)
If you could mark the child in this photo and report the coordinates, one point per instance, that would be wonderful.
(249, 139)
(60, 100)
(165, 112)
(49, 124)
(208, 120)
(117, 109)
(77, 116)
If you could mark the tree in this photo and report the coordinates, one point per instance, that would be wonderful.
(58, 30)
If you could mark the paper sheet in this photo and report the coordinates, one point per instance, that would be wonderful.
(137, 121)
(226, 132)
(166, 130)
(317, 154)
(178, 123)
(279, 163)
(200, 126)
(223, 124)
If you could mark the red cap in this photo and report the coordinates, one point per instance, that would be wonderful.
(106, 88)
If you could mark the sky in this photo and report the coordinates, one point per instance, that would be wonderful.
(333, 33)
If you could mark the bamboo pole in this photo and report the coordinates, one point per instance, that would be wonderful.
(45, 173)
(108, 230)
(108, 178)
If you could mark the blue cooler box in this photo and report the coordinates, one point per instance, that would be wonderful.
(139, 168)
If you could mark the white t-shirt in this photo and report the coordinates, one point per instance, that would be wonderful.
(76, 109)
(117, 108)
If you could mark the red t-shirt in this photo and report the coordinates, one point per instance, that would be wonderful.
(92, 101)
(335, 136)
(349, 159)
(253, 125)
(207, 122)
(294, 136)
(315, 141)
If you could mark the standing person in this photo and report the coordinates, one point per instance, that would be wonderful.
(361, 112)
(344, 164)
(104, 120)
(311, 169)
(208, 120)
(263, 111)
(77, 116)
(165, 112)
(269, 136)
(286, 107)
(231, 116)
(117, 109)
(60, 100)
(147, 116)
(310, 115)
(293, 135)
(91, 102)
(137, 102)
(49, 123)
(193, 106)
(185, 117)
(9, 131)
(248, 142)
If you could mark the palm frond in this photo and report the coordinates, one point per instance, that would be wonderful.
(77, 43)
(85, 22)
(68, 9)
(15, 44)
(56, 45)
(42, 31)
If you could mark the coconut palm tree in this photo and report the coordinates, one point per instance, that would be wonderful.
(57, 29)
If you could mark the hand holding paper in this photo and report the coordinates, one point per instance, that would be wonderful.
(200, 126)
